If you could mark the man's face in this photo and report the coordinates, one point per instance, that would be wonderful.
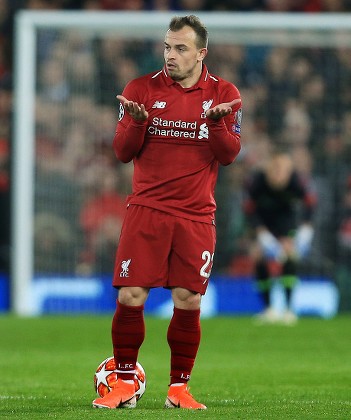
(182, 56)
(278, 171)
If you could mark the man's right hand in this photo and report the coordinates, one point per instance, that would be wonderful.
(136, 111)
(270, 245)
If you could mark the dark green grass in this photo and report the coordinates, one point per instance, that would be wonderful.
(242, 371)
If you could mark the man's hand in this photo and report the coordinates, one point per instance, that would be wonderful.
(136, 111)
(221, 110)
(270, 245)
(303, 239)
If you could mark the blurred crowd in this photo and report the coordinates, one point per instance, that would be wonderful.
(295, 96)
(199, 5)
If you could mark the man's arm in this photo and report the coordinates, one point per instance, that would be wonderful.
(130, 131)
(224, 142)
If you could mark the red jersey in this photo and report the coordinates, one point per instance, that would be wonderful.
(177, 151)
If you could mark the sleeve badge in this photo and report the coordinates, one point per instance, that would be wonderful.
(121, 112)
(236, 127)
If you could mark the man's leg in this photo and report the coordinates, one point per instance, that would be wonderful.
(263, 282)
(128, 333)
(264, 285)
(183, 336)
(289, 279)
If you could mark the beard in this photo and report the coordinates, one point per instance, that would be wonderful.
(177, 75)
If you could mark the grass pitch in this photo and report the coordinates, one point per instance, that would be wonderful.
(242, 371)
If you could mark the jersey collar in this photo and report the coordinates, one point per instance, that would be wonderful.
(201, 84)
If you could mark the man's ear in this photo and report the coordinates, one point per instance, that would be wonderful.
(202, 54)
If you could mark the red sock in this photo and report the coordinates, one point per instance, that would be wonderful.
(184, 334)
(128, 332)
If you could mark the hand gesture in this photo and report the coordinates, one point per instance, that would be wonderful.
(136, 111)
(221, 110)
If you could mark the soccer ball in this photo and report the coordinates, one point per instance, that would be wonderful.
(105, 378)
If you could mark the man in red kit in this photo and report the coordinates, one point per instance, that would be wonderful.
(177, 125)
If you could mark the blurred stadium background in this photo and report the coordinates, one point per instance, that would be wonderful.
(68, 189)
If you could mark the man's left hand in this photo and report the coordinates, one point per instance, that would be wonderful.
(221, 110)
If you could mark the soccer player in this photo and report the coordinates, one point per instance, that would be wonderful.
(279, 206)
(177, 125)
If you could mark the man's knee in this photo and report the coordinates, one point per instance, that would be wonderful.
(132, 296)
(186, 299)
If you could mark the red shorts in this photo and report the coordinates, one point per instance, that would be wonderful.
(157, 249)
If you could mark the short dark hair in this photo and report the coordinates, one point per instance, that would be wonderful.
(178, 22)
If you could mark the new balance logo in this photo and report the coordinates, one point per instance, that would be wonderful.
(125, 268)
(159, 104)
